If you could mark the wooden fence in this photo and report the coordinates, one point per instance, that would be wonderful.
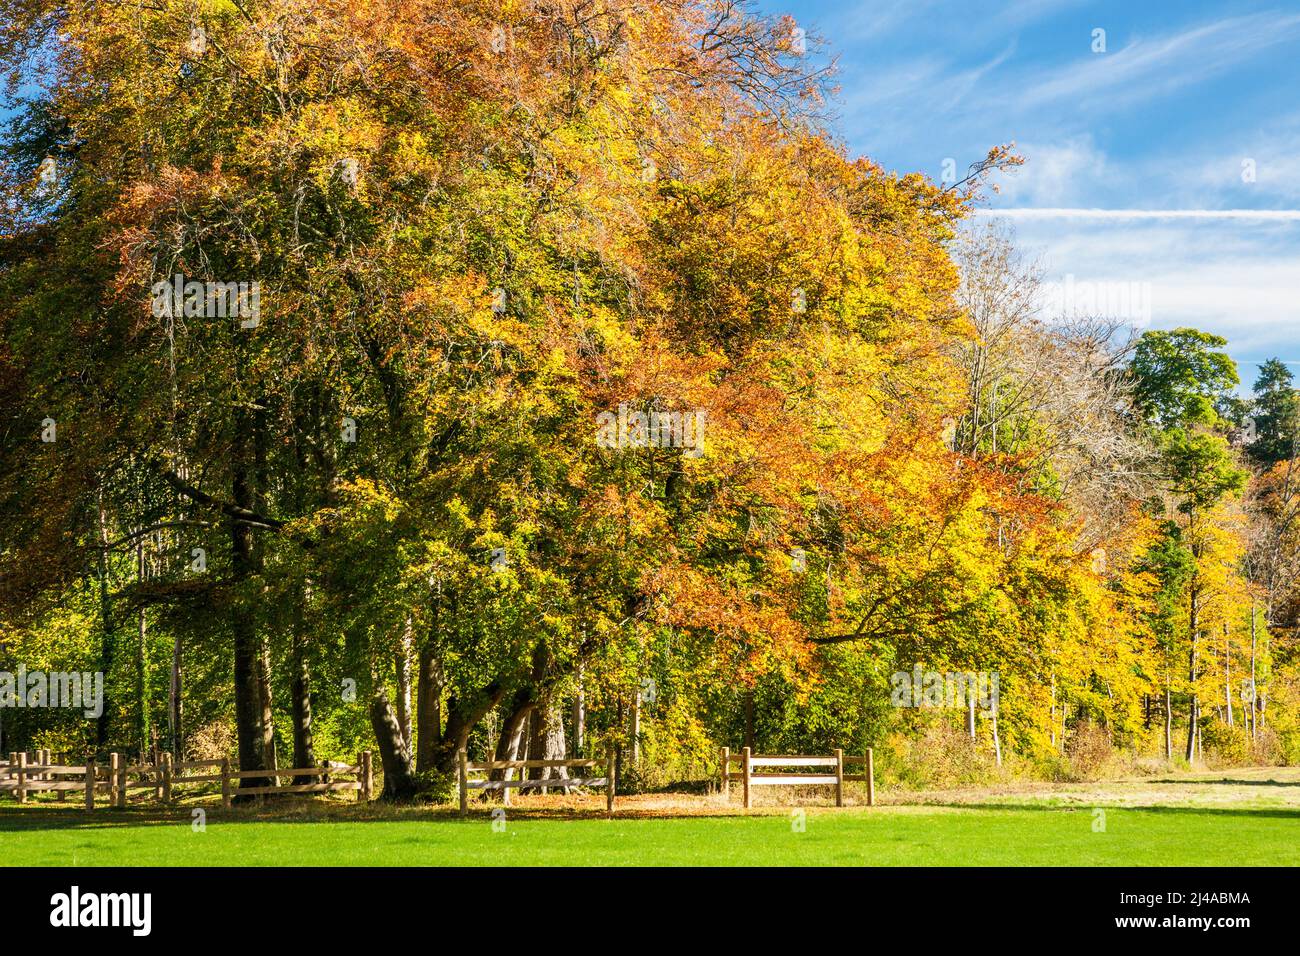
(784, 778)
(36, 773)
(508, 784)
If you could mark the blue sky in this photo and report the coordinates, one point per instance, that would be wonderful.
(1157, 130)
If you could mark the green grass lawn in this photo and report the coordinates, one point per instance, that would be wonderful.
(987, 835)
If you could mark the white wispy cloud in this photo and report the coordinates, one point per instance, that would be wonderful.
(1236, 278)
(1065, 213)
(1055, 174)
(1147, 68)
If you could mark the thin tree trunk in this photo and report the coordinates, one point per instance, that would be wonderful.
(269, 757)
(174, 712)
(304, 745)
(142, 662)
(579, 716)
(618, 722)
(106, 624)
(1193, 707)
(403, 671)
(1227, 673)
(636, 727)
(997, 741)
(1051, 716)
(304, 751)
(261, 482)
(1254, 695)
(1169, 723)
(428, 708)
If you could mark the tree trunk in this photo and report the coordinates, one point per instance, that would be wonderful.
(1227, 673)
(1169, 723)
(547, 741)
(142, 662)
(250, 729)
(403, 670)
(399, 782)
(106, 623)
(1254, 695)
(579, 717)
(463, 715)
(1193, 707)
(636, 727)
(174, 712)
(261, 483)
(997, 740)
(269, 757)
(428, 709)
(513, 737)
(304, 751)
(1051, 716)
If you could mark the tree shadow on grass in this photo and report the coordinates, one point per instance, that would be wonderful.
(1235, 783)
(37, 819)
(1281, 813)
(34, 819)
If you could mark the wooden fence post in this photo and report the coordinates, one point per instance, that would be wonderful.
(726, 764)
(53, 758)
(167, 777)
(113, 761)
(745, 768)
(462, 759)
(225, 782)
(871, 780)
(367, 781)
(122, 780)
(839, 777)
(21, 792)
(609, 781)
(90, 782)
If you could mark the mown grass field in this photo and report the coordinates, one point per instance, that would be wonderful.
(1243, 819)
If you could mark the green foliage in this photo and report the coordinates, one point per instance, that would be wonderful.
(1276, 414)
(1180, 376)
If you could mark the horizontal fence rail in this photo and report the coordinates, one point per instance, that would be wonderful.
(507, 784)
(118, 779)
(748, 761)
